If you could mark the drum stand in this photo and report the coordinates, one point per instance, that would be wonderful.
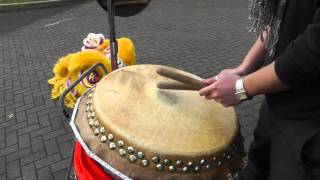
(112, 36)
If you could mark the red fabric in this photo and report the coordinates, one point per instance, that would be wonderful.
(87, 168)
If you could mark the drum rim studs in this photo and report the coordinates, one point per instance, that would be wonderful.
(145, 162)
(160, 167)
(122, 152)
(110, 137)
(130, 150)
(97, 124)
(91, 122)
(120, 143)
(203, 162)
(191, 164)
(102, 130)
(166, 162)
(96, 131)
(103, 139)
(140, 155)
(179, 163)
(196, 169)
(132, 158)
(185, 169)
(112, 145)
(155, 159)
(172, 168)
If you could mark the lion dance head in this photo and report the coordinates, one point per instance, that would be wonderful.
(95, 50)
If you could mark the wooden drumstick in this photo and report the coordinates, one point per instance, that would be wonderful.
(188, 81)
(176, 86)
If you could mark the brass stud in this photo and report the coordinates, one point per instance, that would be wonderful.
(89, 101)
(191, 164)
(179, 163)
(196, 169)
(96, 123)
(223, 155)
(172, 169)
(203, 162)
(102, 130)
(103, 139)
(229, 176)
(110, 137)
(236, 176)
(160, 167)
(140, 155)
(120, 143)
(185, 169)
(130, 150)
(93, 115)
(112, 145)
(166, 162)
(145, 163)
(91, 123)
(132, 158)
(96, 131)
(122, 152)
(155, 159)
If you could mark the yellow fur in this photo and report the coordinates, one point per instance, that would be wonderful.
(69, 67)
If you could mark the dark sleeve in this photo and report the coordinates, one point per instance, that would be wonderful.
(299, 65)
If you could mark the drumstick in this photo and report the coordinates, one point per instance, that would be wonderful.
(176, 86)
(196, 84)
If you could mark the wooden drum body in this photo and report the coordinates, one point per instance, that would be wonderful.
(147, 133)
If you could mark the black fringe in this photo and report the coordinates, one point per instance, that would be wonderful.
(267, 15)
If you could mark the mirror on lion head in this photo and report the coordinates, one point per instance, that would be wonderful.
(125, 8)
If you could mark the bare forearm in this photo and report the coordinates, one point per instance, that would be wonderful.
(255, 57)
(263, 81)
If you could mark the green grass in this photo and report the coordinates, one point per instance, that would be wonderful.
(17, 1)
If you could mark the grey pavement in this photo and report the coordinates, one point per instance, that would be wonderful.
(15, 19)
(202, 37)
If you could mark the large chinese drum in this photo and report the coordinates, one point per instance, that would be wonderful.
(135, 130)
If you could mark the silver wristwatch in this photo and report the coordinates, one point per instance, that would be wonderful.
(241, 92)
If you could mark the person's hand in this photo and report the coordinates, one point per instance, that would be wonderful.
(233, 71)
(221, 88)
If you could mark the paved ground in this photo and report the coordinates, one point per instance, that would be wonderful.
(16, 19)
(202, 37)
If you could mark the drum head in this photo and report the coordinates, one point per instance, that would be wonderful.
(168, 123)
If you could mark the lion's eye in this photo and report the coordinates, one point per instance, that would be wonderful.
(91, 79)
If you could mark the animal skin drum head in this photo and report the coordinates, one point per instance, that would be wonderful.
(159, 131)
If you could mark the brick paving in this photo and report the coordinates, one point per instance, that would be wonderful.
(201, 37)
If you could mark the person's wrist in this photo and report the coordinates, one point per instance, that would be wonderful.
(241, 70)
(240, 90)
